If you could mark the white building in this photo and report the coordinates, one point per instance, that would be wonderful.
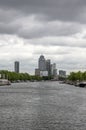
(43, 73)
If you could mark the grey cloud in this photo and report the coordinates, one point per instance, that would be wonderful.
(51, 53)
(40, 29)
(64, 10)
(59, 41)
(54, 51)
(8, 15)
(9, 28)
(50, 29)
(12, 11)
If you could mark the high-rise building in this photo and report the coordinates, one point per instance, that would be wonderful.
(42, 63)
(53, 70)
(45, 68)
(62, 73)
(48, 66)
(16, 66)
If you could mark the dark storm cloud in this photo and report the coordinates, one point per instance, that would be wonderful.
(56, 10)
(61, 18)
(35, 29)
(65, 10)
(9, 28)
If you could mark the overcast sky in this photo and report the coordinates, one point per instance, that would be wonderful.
(54, 28)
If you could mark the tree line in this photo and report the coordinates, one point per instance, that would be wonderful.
(77, 76)
(13, 76)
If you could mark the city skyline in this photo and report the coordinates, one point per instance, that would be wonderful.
(45, 67)
(55, 29)
(42, 65)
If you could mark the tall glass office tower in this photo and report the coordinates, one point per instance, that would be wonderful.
(42, 63)
(48, 66)
(16, 66)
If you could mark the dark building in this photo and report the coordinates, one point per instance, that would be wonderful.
(62, 73)
(48, 67)
(37, 72)
(16, 66)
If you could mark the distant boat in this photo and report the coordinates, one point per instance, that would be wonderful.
(4, 82)
(82, 84)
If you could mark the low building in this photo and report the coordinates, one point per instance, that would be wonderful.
(37, 72)
(43, 73)
(62, 73)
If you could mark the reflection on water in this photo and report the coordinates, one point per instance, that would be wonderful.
(42, 106)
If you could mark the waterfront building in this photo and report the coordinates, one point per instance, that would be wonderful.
(43, 73)
(42, 63)
(37, 72)
(16, 66)
(62, 73)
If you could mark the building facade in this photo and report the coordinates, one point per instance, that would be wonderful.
(48, 67)
(37, 72)
(16, 66)
(43, 73)
(62, 73)
(42, 63)
(53, 70)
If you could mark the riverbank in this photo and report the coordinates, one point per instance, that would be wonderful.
(4, 82)
(76, 83)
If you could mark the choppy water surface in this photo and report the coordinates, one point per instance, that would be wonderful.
(42, 106)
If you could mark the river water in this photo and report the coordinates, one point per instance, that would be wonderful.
(42, 106)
